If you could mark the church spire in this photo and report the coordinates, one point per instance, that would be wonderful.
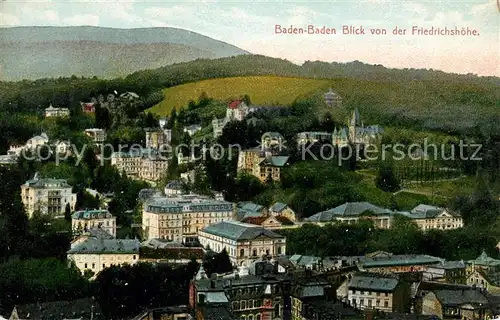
(201, 273)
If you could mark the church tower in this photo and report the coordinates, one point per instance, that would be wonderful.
(353, 124)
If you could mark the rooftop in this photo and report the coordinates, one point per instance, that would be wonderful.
(239, 231)
(46, 183)
(485, 261)
(92, 214)
(348, 209)
(106, 246)
(373, 282)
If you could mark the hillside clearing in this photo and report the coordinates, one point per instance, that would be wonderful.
(263, 90)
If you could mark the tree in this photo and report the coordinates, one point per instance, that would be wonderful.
(386, 179)
(246, 99)
(67, 213)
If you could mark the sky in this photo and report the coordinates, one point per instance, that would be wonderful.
(251, 25)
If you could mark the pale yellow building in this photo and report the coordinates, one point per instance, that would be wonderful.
(52, 112)
(98, 136)
(242, 241)
(144, 164)
(47, 196)
(179, 218)
(97, 254)
(431, 217)
(90, 219)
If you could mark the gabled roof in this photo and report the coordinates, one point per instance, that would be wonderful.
(250, 206)
(234, 104)
(105, 246)
(348, 209)
(275, 161)
(278, 207)
(373, 282)
(83, 309)
(239, 231)
(455, 298)
(485, 260)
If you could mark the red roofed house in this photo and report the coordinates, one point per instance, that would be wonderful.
(236, 110)
(88, 107)
(270, 222)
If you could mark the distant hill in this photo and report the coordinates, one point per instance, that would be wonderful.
(39, 52)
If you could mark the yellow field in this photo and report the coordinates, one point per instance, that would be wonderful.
(263, 90)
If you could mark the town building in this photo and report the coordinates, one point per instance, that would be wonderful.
(304, 138)
(236, 110)
(52, 112)
(84, 309)
(242, 241)
(157, 138)
(355, 133)
(484, 272)
(250, 209)
(431, 217)
(447, 271)
(37, 141)
(97, 254)
(180, 217)
(282, 210)
(47, 196)
(8, 159)
(62, 147)
(261, 291)
(165, 313)
(352, 212)
(88, 107)
(333, 99)
(98, 136)
(382, 292)
(174, 187)
(90, 219)
(192, 129)
(468, 304)
(266, 161)
(271, 222)
(143, 164)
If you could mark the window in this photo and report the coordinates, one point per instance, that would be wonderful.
(267, 252)
(103, 265)
(370, 302)
(386, 304)
(235, 305)
(243, 304)
(243, 317)
(378, 303)
(254, 253)
(386, 294)
(134, 257)
(93, 265)
(250, 304)
(85, 266)
(279, 250)
(361, 302)
(242, 252)
(250, 317)
(258, 317)
(353, 302)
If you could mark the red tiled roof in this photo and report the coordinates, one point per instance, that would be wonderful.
(254, 220)
(234, 104)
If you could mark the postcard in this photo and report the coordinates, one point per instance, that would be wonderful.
(250, 160)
